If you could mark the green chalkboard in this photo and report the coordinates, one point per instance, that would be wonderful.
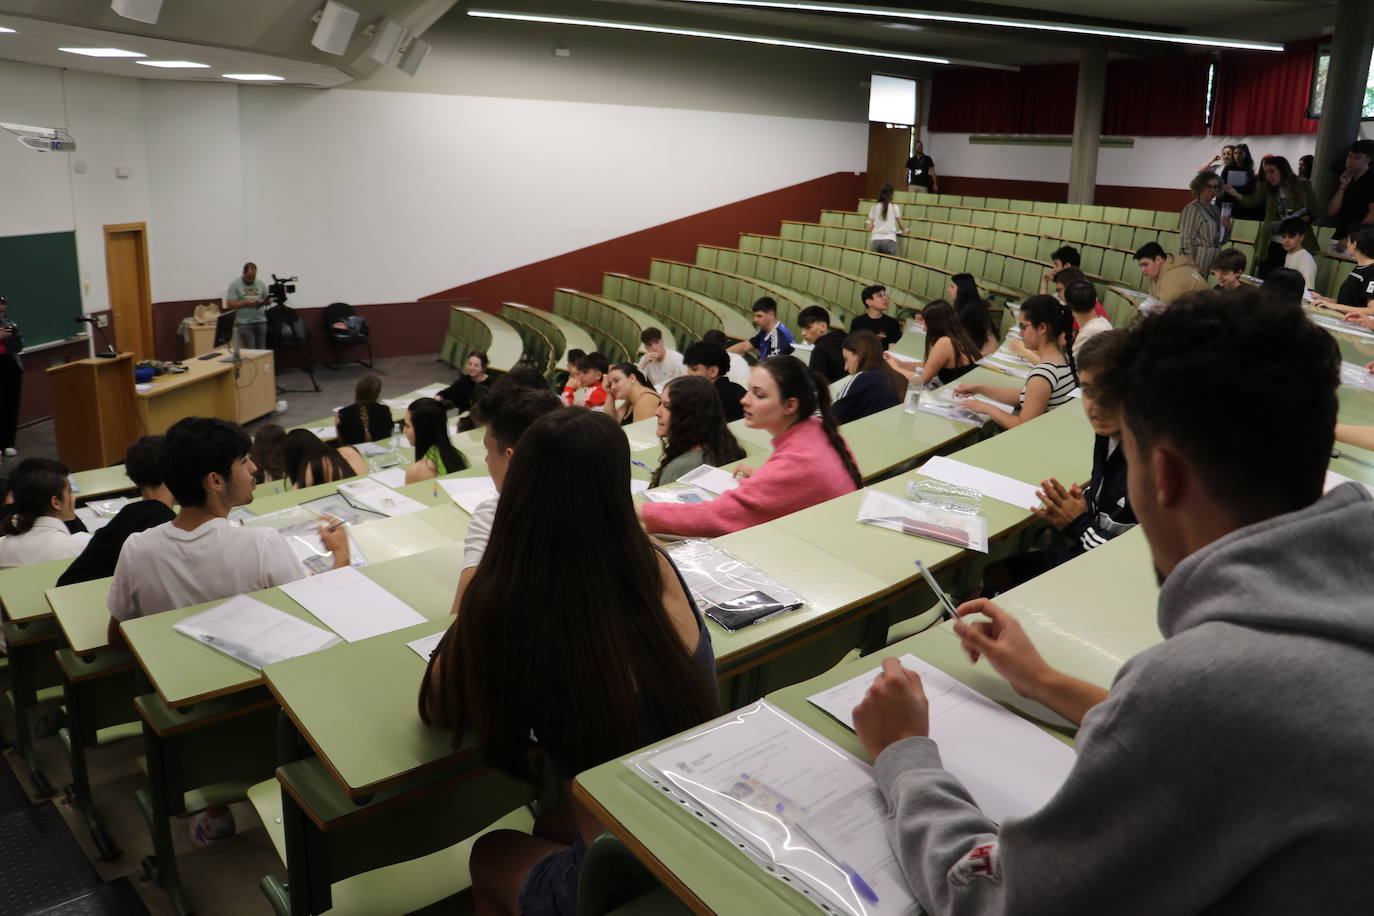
(39, 278)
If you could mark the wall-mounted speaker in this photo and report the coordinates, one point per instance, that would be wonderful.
(335, 27)
(413, 56)
(390, 34)
(138, 10)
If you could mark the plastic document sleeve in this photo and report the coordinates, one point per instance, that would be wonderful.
(800, 808)
(728, 590)
(924, 520)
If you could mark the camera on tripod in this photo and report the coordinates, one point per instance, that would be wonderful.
(280, 288)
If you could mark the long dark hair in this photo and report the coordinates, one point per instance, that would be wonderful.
(302, 450)
(1288, 181)
(868, 349)
(578, 649)
(885, 198)
(267, 454)
(1058, 317)
(429, 419)
(698, 421)
(33, 496)
(972, 309)
(794, 380)
(941, 321)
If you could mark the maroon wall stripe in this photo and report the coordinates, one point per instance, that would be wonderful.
(1105, 195)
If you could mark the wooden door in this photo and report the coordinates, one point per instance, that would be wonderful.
(131, 298)
(888, 150)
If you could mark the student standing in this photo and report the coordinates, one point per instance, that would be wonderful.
(1353, 203)
(711, 363)
(887, 329)
(471, 385)
(826, 343)
(143, 465)
(1255, 693)
(36, 530)
(773, 338)
(950, 352)
(1200, 225)
(247, 297)
(873, 384)
(11, 379)
(624, 661)
(426, 429)
(1296, 257)
(1282, 195)
(884, 223)
(693, 431)
(660, 364)
(366, 419)
(1045, 327)
(810, 462)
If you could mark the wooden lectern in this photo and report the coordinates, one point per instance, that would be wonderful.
(93, 411)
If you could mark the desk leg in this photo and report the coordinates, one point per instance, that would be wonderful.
(307, 861)
(81, 734)
(26, 667)
(158, 804)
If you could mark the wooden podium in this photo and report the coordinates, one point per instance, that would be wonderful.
(93, 411)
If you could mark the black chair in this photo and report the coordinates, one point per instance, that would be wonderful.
(286, 333)
(344, 328)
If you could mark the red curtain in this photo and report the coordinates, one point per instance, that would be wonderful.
(1157, 96)
(1260, 93)
(1037, 100)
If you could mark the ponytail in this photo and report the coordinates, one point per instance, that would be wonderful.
(33, 496)
(1056, 316)
(812, 394)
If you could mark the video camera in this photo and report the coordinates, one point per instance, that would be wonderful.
(280, 288)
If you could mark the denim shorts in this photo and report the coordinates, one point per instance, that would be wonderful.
(551, 886)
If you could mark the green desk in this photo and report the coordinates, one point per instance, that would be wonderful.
(82, 614)
(101, 483)
(31, 637)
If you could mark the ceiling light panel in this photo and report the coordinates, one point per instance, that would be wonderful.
(103, 52)
(252, 77)
(173, 64)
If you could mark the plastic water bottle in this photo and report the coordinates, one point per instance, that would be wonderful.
(913, 397)
(398, 436)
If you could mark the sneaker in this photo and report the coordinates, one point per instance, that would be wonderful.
(11, 452)
(206, 829)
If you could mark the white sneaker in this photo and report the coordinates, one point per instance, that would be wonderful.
(206, 829)
(11, 452)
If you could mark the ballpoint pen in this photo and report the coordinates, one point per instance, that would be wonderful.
(950, 611)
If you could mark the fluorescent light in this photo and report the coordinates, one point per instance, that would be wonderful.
(5, 31)
(252, 77)
(173, 64)
(703, 33)
(103, 52)
(1027, 24)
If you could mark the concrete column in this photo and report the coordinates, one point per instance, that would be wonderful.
(1351, 44)
(1087, 124)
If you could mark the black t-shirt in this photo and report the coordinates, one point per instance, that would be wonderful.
(102, 552)
(918, 169)
(730, 396)
(465, 392)
(1358, 288)
(1355, 204)
(351, 427)
(888, 329)
(827, 357)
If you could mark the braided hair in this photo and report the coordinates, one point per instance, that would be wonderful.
(795, 380)
(1056, 316)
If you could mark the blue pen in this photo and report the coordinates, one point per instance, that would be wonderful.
(640, 464)
(860, 884)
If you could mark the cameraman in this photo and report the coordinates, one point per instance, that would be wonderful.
(11, 379)
(247, 295)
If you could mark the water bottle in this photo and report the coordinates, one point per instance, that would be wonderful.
(913, 396)
(398, 436)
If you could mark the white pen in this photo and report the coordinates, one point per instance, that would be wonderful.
(950, 610)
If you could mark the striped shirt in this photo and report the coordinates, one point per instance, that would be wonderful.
(1062, 383)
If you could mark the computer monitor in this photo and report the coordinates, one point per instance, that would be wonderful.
(224, 329)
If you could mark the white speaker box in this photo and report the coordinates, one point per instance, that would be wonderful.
(389, 37)
(335, 28)
(138, 10)
(413, 57)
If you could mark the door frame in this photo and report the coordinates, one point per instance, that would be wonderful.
(145, 348)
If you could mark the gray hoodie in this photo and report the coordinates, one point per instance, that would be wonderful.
(1231, 769)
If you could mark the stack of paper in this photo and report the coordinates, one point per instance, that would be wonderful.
(351, 604)
(469, 492)
(711, 479)
(425, 645)
(370, 449)
(1356, 376)
(252, 632)
(989, 483)
(375, 497)
(391, 477)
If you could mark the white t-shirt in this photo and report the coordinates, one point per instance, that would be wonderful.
(660, 371)
(1303, 262)
(739, 370)
(479, 532)
(48, 539)
(1089, 329)
(165, 568)
(884, 230)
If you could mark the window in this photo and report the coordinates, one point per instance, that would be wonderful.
(1318, 94)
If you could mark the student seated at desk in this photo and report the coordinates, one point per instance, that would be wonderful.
(1259, 691)
(1045, 326)
(610, 651)
(630, 394)
(1356, 295)
(875, 318)
(973, 312)
(1228, 267)
(1286, 285)
(873, 384)
(692, 428)
(267, 454)
(950, 352)
(471, 386)
(310, 461)
(426, 426)
(1092, 514)
(74, 524)
(366, 419)
(572, 387)
(1089, 317)
(773, 338)
(143, 464)
(590, 391)
(505, 414)
(827, 343)
(739, 366)
(35, 531)
(810, 462)
(711, 362)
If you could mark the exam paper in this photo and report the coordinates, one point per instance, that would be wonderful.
(351, 604)
(254, 633)
(323, 432)
(1334, 480)
(469, 492)
(989, 483)
(370, 449)
(376, 497)
(796, 801)
(391, 477)
(1356, 376)
(108, 508)
(425, 645)
(1010, 767)
(711, 479)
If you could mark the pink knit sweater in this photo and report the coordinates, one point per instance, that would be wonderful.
(802, 471)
